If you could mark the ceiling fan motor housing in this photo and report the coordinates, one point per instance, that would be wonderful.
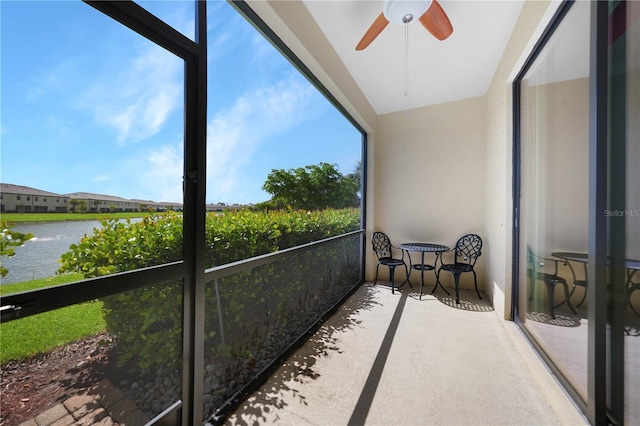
(404, 11)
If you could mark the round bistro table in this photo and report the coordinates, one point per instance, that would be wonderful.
(423, 248)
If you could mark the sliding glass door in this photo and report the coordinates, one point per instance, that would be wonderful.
(623, 212)
(554, 103)
(578, 204)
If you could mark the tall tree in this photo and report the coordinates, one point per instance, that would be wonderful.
(312, 187)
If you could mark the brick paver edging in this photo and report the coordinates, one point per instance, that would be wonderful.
(102, 404)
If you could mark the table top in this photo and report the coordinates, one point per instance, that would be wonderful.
(567, 255)
(584, 258)
(424, 247)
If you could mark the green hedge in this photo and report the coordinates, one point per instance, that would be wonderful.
(231, 236)
(148, 321)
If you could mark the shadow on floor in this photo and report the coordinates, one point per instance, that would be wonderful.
(300, 366)
(361, 410)
(561, 319)
(469, 300)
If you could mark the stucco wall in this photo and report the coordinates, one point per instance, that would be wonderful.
(417, 164)
(418, 192)
(428, 170)
(498, 202)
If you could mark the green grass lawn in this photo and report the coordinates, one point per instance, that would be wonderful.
(6, 289)
(50, 217)
(41, 333)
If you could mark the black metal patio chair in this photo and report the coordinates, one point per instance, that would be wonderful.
(467, 251)
(578, 282)
(384, 251)
(631, 287)
(539, 269)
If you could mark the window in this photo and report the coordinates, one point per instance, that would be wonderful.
(268, 125)
(91, 78)
(128, 93)
(267, 118)
(127, 101)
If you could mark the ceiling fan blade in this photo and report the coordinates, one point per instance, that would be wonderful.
(374, 30)
(435, 20)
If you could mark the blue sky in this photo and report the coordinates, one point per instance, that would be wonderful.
(87, 105)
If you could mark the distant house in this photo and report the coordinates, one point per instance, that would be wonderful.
(24, 199)
(96, 203)
(220, 207)
(216, 207)
(166, 205)
(149, 205)
(110, 203)
(146, 205)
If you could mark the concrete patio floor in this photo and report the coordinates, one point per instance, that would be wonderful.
(392, 359)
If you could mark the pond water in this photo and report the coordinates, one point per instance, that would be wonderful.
(38, 258)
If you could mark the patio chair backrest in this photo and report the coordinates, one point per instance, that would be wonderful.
(381, 244)
(469, 248)
(542, 264)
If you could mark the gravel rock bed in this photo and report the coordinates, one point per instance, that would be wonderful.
(224, 375)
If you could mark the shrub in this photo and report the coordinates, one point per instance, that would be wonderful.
(124, 245)
(148, 321)
(8, 240)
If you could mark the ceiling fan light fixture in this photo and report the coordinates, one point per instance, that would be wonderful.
(405, 11)
(428, 12)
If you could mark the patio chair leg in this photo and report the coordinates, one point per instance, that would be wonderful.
(475, 282)
(457, 281)
(406, 271)
(438, 283)
(629, 292)
(550, 288)
(568, 298)
(584, 297)
(393, 285)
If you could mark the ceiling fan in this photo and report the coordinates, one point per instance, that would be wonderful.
(429, 13)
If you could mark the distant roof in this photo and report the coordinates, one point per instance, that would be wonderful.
(101, 197)
(135, 200)
(8, 188)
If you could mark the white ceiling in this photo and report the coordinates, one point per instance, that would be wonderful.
(459, 67)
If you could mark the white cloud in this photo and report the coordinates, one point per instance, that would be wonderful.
(53, 80)
(102, 178)
(262, 49)
(140, 97)
(163, 178)
(233, 134)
